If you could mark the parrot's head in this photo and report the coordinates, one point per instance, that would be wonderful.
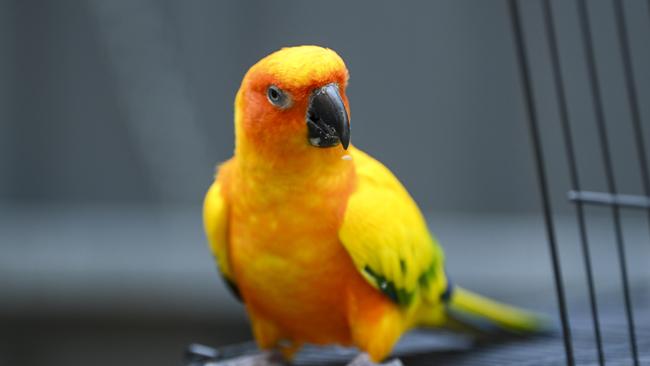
(293, 102)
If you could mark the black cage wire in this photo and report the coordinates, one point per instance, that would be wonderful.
(596, 340)
(580, 198)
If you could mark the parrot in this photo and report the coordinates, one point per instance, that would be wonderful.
(320, 241)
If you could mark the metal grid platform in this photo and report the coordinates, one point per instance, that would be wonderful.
(439, 348)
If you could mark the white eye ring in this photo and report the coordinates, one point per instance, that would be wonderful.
(277, 97)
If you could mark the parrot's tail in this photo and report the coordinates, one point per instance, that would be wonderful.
(468, 311)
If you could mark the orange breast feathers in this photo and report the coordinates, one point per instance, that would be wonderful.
(298, 282)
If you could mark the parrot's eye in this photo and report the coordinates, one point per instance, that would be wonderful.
(277, 97)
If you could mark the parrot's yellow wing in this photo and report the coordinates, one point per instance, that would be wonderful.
(386, 235)
(388, 240)
(215, 222)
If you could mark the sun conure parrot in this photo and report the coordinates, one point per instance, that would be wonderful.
(318, 239)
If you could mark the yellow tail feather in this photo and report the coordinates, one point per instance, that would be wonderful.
(469, 310)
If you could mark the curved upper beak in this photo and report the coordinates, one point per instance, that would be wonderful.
(327, 119)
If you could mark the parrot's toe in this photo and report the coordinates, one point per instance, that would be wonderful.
(364, 360)
(267, 358)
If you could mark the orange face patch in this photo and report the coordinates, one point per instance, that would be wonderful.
(296, 72)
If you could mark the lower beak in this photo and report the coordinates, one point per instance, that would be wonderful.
(327, 118)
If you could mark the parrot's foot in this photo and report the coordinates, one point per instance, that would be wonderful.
(266, 358)
(364, 360)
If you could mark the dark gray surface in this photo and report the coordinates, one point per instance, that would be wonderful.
(148, 287)
(422, 347)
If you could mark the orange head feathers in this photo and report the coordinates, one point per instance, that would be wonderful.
(293, 102)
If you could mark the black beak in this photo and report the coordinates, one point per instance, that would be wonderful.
(327, 118)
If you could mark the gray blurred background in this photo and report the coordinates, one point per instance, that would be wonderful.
(113, 115)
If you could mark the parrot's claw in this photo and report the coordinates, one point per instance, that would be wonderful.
(267, 358)
(364, 360)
